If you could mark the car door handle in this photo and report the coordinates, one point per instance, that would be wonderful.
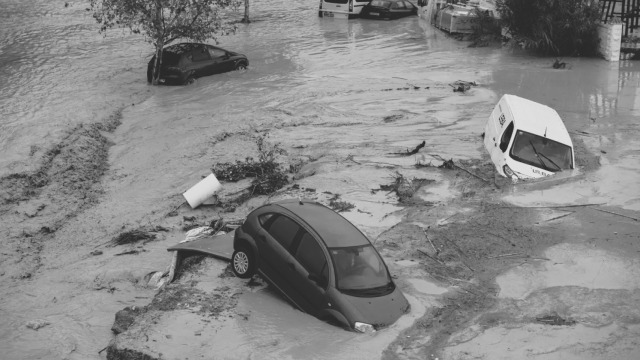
(263, 238)
(291, 266)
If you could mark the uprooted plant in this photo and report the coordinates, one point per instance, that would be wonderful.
(267, 173)
(404, 187)
(338, 205)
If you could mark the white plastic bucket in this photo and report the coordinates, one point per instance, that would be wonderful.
(202, 191)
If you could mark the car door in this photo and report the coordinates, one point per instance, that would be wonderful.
(398, 10)
(411, 9)
(220, 59)
(200, 63)
(273, 245)
(308, 258)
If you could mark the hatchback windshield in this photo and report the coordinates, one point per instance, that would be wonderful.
(359, 268)
(380, 3)
(541, 152)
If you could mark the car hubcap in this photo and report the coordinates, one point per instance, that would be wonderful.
(241, 262)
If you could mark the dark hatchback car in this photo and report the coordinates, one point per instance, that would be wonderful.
(388, 9)
(321, 262)
(183, 63)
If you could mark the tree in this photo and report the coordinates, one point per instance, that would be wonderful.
(245, 19)
(164, 21)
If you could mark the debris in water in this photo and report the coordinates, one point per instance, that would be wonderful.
(554, 319)
(403, 187)
(462, 86)
(414, 151)
(130, 252)
(340, 206)
(37, 324)
(96, 252)
(132, 236)
(558, 64)
(392, 118)
(124, 319)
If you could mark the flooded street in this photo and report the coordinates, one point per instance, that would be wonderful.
(344, 96)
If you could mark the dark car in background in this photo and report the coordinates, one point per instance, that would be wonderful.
(321, 262)
(388, 9)
(185, 62)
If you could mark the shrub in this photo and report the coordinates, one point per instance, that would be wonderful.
(552, 27)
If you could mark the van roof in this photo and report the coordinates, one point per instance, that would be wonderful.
(536, 118)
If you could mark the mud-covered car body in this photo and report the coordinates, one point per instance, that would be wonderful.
(185, 62)
(527, 140)
(388, 9)
(321, 262)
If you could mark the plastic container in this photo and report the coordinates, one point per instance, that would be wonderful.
(202, 191)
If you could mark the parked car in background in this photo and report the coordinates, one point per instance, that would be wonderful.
(185, 62)
(321, 262)
(388, 9)
(527, 140)
(346, 9)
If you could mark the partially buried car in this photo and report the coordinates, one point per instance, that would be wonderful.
(185, 62)
(388, 9)
(321, 262)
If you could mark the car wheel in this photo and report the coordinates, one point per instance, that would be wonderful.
(242, 263)
(190, 80)
(241, 66)
(319, 13)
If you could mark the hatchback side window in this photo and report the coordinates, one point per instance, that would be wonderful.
(311, 257)
(216, 53)
(200, 55)
(284, 230)
(506, 137)
(264, 218)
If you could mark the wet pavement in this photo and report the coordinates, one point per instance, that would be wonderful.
(323, 91)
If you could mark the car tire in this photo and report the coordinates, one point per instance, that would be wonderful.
(190, 80)
(243, 263)
(240, 66)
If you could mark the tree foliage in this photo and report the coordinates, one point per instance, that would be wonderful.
(164, 21)
(552, 27)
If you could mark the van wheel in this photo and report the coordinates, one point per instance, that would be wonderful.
(320, 14)
(242, 263)
(190, 80)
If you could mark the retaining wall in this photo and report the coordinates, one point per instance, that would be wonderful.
(610, 41)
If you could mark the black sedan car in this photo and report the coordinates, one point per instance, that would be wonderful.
(183, 63)
(321, 262)
(388, 9)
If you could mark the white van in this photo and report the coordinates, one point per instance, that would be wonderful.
(527, 140)
(346, 9)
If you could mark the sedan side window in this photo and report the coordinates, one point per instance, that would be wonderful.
(284, 230)
(216, 53)
(400, 5)
(506, 137)
(409, 5)
(311, 257)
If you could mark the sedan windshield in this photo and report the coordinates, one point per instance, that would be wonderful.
(380, 3)
(541, 152)
(359, 268)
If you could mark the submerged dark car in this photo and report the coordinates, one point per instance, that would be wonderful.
(388, 9)
(183, 63)
(321, 262)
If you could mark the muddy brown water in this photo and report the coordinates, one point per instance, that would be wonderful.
(322, 88)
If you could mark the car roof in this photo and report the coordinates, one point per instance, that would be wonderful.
(184, 48)
(537, 119)
(334, 230)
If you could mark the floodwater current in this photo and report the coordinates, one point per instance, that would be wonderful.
(322, 84)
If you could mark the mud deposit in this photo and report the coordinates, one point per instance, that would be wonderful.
(94, 166)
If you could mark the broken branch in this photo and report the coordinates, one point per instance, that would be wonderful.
(611, 212)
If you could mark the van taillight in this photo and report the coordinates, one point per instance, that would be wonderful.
(350, 5)
(320, 4)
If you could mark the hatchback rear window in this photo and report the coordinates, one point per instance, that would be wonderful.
(170, 59)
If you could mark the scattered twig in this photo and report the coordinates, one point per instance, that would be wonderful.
(450, 278)
(456, 245)
(499, 256)
(432, 258)
(552, 206)
(131, 252)
(412, 152)
(438, 157)
(559, 217)
(430, 242)
(611, 212)
(100, 352)
(350, 158)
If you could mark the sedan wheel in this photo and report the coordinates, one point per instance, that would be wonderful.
(190, 80)
(241, 66)
(242, 263)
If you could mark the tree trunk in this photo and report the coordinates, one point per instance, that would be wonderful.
(245, 19)
(158, 42)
